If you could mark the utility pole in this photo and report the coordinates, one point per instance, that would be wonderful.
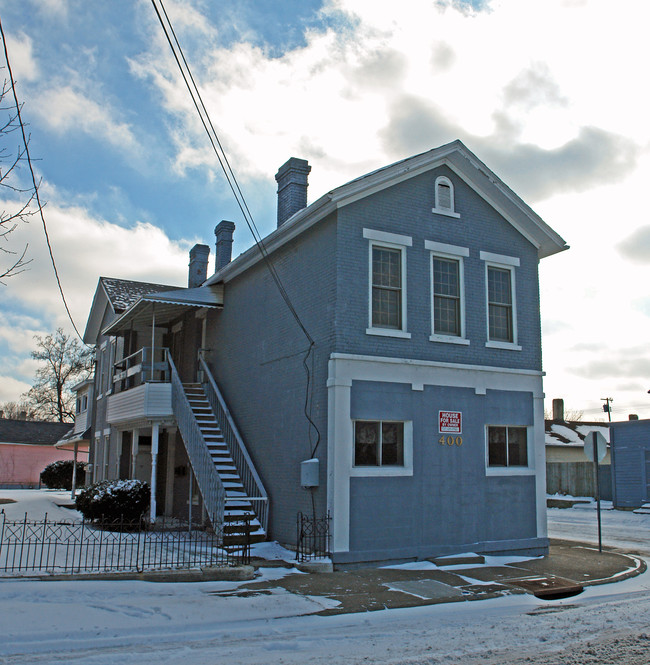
(607, 407)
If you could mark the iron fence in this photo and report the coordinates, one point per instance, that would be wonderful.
(313, 537)
(70, 547)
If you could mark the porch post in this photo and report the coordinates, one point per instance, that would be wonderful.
(155, 429)
(74, 472)
(153, 338)
(134, 451)
(169, 485)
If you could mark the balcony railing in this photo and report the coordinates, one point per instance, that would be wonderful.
(147, 365)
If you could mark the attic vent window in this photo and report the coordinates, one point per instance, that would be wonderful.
(444, 197)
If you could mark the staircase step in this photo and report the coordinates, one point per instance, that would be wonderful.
(237, 531)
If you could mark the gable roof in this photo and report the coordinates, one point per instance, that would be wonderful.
(117, 295)
(31, 432)
(457, 157)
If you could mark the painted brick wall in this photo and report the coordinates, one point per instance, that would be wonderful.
(406, 209)
(449, 502)
(257, 352)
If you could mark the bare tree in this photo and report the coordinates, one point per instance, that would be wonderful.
(65, 362)
(17, 411)
(15, 201)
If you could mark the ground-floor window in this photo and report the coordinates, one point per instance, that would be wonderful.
(507, 446)
(378, 443)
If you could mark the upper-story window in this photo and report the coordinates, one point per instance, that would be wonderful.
(501, 300)
(447, 292)
(387, 283)
(444, 197)
(500, 320)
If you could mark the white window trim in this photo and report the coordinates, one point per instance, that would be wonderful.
(390, 241)
(374, 471)
(449, 212)
(456, 253)
(512, 470)
(508, 263)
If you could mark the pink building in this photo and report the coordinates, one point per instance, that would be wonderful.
(27, 447)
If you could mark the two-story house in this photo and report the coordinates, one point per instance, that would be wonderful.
(390, 330)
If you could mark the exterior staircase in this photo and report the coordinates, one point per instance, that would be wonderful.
(236, 534)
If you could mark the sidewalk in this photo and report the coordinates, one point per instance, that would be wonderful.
(568, 567)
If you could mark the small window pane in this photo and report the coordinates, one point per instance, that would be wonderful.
(497, 451)
(392, 445)
(444, 195)
(517, 448)
(366, 444)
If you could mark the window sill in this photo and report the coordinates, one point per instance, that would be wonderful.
(380, 471)
(449, 339)
(509, 471)
(388, 332)
(508, 346)
(446, 212)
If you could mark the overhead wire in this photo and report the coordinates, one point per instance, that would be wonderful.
(34, 183)
(233, 183)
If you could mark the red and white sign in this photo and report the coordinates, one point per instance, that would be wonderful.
(450, 422)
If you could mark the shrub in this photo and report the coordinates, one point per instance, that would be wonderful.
(58, 475)
(114, 500)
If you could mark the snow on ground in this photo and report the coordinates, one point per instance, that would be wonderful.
(117, 623)
(620, 528)
(38, 503)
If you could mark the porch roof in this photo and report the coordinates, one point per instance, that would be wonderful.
(167, 306)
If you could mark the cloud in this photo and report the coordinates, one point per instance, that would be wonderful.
(65, 109)
(594, 157)
(636, 246)
(11, 388)
(627, 364)
(534, 87)
(21, 57)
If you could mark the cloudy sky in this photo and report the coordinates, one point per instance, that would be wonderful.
(550, 94)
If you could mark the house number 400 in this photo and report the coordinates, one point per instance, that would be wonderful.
(450, 440)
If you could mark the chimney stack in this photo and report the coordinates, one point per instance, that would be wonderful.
(558, 410)
(632, 416)
(292, 188)
(223, 232)
(198, 271)
(23, 415)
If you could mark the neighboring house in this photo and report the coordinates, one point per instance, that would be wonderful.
(26, 448)
(568, 471)
(77, 439)
(415, 350)
(630, 443)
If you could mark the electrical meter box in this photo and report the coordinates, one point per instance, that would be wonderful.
(309, 473)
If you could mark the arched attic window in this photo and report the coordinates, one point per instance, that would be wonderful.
(444, 197)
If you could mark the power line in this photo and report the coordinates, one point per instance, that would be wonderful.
(35, 185)
(231, 178)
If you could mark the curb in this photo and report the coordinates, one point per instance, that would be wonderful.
(212, 574)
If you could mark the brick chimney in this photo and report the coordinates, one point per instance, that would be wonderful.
(223, 232)
(558, 410)
(292, 187)
(198, 271)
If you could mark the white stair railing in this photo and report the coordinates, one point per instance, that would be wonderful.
(207, 478)
(255, 492)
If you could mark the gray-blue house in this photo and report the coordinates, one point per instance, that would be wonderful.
(410, 367)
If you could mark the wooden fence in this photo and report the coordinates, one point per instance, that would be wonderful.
(577, 479)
